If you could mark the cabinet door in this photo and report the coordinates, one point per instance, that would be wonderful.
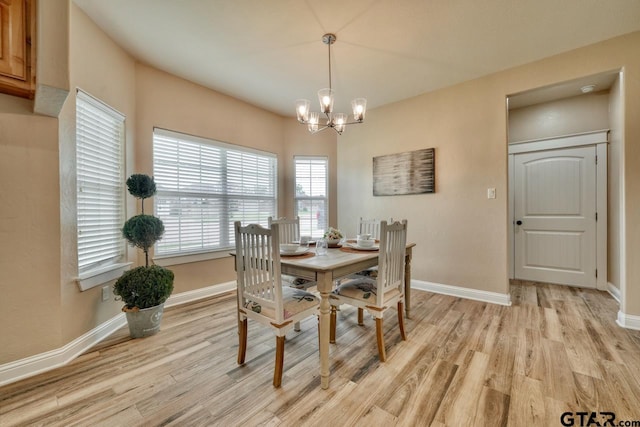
(13, 39)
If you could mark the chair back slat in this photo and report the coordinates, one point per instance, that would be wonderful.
(258, 266)
(391, 259)
(289, 228)
(369, 226)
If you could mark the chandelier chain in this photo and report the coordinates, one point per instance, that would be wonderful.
(329, 65)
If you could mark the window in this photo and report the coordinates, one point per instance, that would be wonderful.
(100, 185)
(204, 186)
(311, 201)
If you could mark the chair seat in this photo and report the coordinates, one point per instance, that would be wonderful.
(294, 301)
(297, 282)
(363, 289)
(369, 272)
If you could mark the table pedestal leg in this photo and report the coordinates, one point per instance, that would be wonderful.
(407, 283)
(324, 287)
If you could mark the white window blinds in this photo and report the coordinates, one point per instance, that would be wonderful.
(100, 183)
(311, 197)
(204, 186)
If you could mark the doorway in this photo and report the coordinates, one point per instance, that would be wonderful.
(558, 209)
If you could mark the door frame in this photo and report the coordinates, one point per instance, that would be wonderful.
(600, 140)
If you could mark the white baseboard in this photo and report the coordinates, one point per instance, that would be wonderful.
(197, 294)
(628, 321)
(460, 292)
(614, 291)
(33, 365)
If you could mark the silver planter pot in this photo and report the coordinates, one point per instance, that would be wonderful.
(145, 322)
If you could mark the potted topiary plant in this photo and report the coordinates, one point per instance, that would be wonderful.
(143, 289)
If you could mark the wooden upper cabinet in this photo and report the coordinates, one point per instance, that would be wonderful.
(17, 53)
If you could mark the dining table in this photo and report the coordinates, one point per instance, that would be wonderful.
(326, 269)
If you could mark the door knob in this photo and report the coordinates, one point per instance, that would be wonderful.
(518, 222)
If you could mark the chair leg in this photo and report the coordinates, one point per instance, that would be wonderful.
(401, 320)
(296, 326)
(332, 325)
(360, 316)
(277, 372)
(381, 352)
(242, 343)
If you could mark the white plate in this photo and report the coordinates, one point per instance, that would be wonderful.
(301, 250)
(311, 242)
(362, 248)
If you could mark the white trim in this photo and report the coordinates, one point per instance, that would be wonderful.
(602, 179)
(39, 363)
(210, 141)
(33, 365)
(628, 321)
(97, 277)
(197, 294)
(614, 291)
(511, 209)
(169, 260)
(568, 141)
(460, 292)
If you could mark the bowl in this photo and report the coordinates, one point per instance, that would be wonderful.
(365, 236)
(289, 248)
(365, 243)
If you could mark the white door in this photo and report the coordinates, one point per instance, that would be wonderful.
(555, 216)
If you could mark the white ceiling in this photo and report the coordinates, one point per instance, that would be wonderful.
(269, 52)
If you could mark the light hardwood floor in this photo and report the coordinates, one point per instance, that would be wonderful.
(465, 363)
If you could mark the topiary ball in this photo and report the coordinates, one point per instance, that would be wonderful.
(141, 186)
(144, 287)
(143, 230)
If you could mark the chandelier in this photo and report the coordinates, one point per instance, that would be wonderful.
(336, 121)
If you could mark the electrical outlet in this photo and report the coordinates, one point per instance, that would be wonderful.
(105, 293)
(491, 193)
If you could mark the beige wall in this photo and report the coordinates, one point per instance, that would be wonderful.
(168, 102)
(102, 69)
(29, 234)
(299, 142)
(37, 216)
(567, 116)
(461, 235)
(614, 190)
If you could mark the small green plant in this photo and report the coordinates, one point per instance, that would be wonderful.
(144, 286)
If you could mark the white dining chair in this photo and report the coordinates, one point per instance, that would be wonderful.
(289, 228)
(261, 296)
(369, 226)
(379, 294)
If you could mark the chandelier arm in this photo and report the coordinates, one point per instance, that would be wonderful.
(319, 129)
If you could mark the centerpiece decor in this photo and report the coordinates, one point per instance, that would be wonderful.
(333, 236)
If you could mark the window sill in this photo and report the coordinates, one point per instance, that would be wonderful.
(100, 276)
(168, 260)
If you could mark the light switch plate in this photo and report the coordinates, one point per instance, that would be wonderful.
(491, 193)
